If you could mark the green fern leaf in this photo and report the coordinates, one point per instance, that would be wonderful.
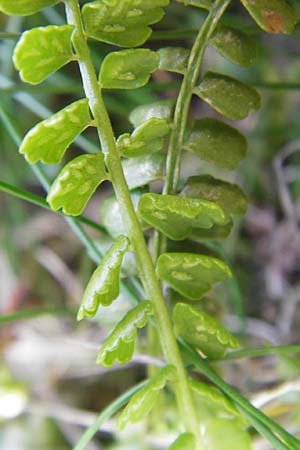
(228, 196)
(228, 96)
(144, 169)
(48, 140)
(223, 434)
(273, 16)
(42, 51)
(104, 285)
(128, 69)
(76, 183)
(122, 23)
(162, 109)
(190, 274)
(24, 7)
(203, 331)
(119, 346)
(147, 138)
(177, 217)
(174, 59)
(235, 46)
(209, 135)
(143, 401)
(213, 404)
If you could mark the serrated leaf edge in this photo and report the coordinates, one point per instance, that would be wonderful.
(137, 318)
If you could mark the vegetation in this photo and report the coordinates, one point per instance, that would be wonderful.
(170, 229)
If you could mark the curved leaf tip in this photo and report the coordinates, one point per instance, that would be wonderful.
(119, 346)
(104, 285)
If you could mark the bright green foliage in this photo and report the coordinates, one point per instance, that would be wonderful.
(177, 217)
(234, 45)
(227, 195)
(48, 140)
(123, 23)
(214, 404)
(223, 434)
(206, 4)
(217, 143)
(228, 96)
(104, 285)
(273, 16)
(144, 169)
(128, 69)
(119, 346)
(190, 274)
(143, 401)
(163, 109)
(203, 331)
(24, 7)
(186, 441)
(174, 59)
(216, 414)
(147, 138)
(111, 216)
(76, 183)
(42, 51)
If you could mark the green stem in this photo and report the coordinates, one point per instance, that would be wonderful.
(9, 35)
(185, 95)
(146, 268)
(255, 352)
(173, 163)
(36, 312)
(40, 201)
(291, 442)
(266, 433)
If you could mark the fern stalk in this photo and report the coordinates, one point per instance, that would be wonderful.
(173, 163)
(146, 269)
(185, 94)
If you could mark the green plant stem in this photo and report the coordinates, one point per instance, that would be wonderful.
(40, 201)
(36, 312)
(255, 352)
(131, 222)
(9, 35)
(266, 433)
(291, 442)
(185, 95)
(108, 412)
(173, 163)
